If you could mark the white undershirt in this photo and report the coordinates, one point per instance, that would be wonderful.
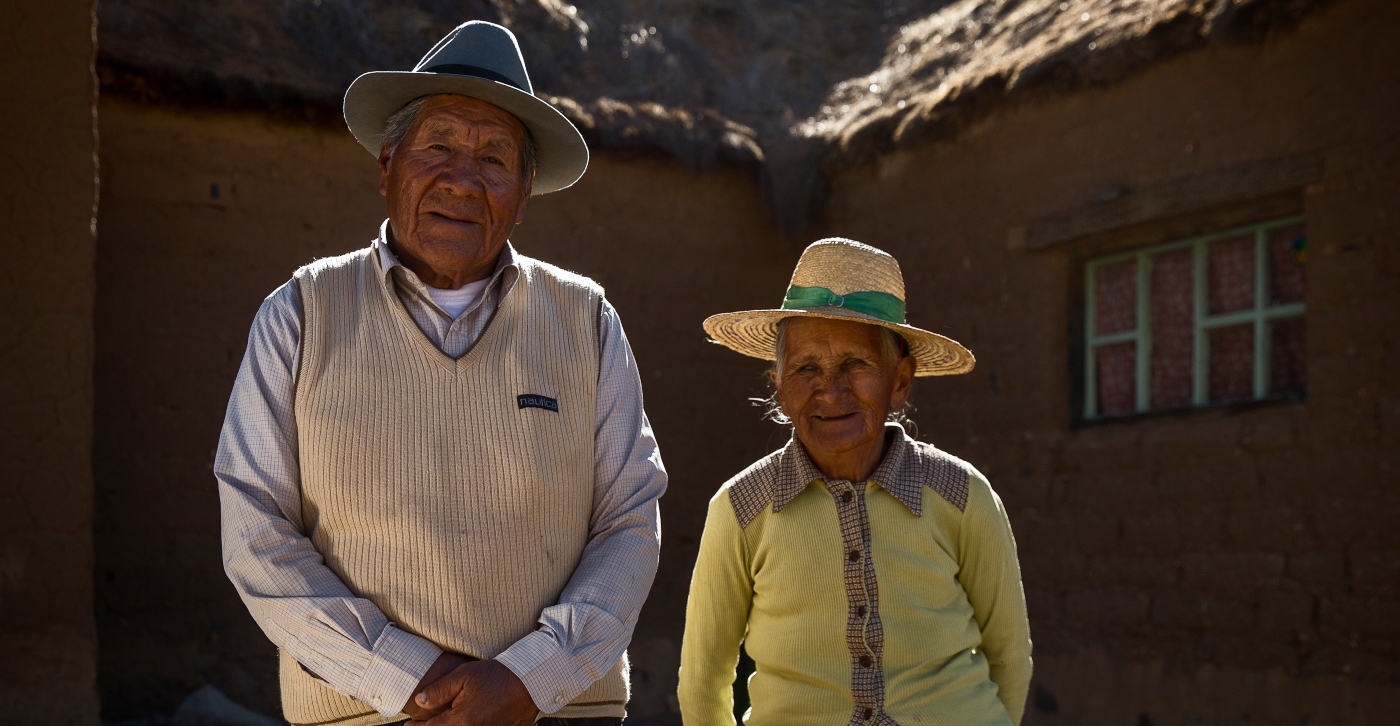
(453, 302)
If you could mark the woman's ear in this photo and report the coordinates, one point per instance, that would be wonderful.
(903, 382)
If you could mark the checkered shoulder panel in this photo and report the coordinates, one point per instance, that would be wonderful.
(753, 489)
(944, 473)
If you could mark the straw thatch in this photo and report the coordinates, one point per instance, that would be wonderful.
(973, 54)
(796, 87)
(704, 80)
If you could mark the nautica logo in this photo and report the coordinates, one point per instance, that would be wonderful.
(534, 400)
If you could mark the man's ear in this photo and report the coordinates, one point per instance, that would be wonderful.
(524, 199)
(384, 156)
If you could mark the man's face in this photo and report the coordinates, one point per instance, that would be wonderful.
(837, 383)
(455, 187)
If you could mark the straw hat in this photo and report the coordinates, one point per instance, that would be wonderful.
(842, 279)
(481, 60)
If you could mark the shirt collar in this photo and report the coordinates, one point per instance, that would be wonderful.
(506, 262)
(898, 472)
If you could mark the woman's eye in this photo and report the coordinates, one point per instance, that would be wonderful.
(438, 147)
(494, 160)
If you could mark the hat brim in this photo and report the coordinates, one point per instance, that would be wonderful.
(375, 96)
(755, 333)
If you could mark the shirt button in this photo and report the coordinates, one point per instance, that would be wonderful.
(860, 611)
(855, 555)
(869, 712)
(865, 661)
(847, 497)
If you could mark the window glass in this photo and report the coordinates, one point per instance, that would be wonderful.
(1287, 252)
(1173, 328)
(1232, 274)
(1117, 297)
(1117, 366)
(1209, 320)
(1287, 359)
(1231, 363)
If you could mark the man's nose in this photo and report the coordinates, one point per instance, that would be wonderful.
(462, 175)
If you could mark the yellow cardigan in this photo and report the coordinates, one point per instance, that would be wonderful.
(775, 573)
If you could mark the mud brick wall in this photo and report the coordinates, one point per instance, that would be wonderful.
(205, 214)
(1218, 566)
(1230, 565)
(47, 185)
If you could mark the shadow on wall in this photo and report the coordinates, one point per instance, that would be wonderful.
(207, 213)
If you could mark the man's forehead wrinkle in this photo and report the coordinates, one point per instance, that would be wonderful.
(484, 130)
(472, 110)
(438, 127)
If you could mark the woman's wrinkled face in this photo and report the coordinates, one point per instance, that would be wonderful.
(838, 383)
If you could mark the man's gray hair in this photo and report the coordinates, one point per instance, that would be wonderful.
(398, 125)
(892, 347)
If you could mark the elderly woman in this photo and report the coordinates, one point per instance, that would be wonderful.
(872, 578)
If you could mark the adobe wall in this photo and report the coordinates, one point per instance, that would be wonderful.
(48, 672)
(1179, 567)
(1221, 566)
(204, 214)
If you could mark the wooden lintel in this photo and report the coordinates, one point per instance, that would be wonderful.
(1183, 196)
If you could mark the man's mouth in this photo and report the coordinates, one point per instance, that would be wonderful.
(449, 218)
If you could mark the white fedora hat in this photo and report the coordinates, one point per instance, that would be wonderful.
(842, 279)
(481, 60)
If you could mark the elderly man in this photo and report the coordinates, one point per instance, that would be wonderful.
(437, 481)
(872, 578)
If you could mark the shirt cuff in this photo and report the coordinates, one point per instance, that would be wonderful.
(543, 666)
(399, 662)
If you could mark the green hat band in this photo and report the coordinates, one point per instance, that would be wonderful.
(880, 305)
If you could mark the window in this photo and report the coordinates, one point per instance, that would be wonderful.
(1196, 322)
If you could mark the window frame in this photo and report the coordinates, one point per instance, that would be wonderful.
(1261, 315)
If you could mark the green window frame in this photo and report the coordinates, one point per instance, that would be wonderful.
(1262, 314)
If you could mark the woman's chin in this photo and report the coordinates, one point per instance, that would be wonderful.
(838, 436)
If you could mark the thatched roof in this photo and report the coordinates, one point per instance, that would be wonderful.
(973, 54)
(785, 85)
